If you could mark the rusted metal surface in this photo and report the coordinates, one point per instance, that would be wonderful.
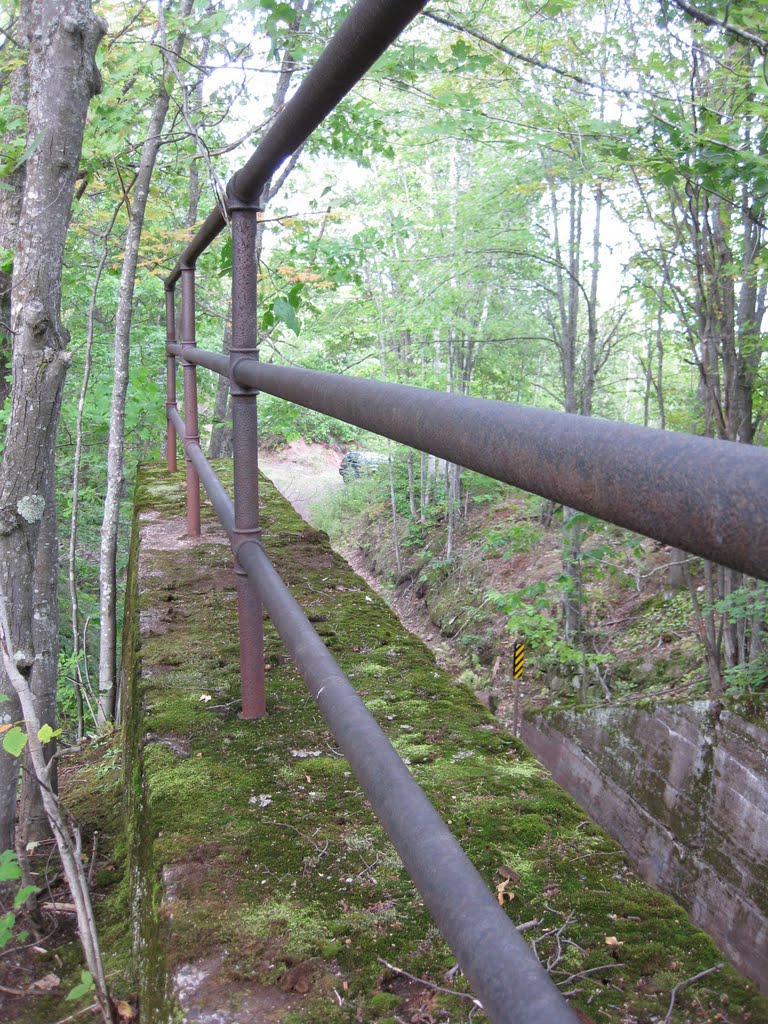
(245, 453)
(216, 361)
(215, 489)
(704, 496)
(503, 971)
(191, 427)
(367, 31)
(170, 376)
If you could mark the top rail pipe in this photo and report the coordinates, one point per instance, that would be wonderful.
(704, 496)
(216, 361)
(367, 31)
(501, 968)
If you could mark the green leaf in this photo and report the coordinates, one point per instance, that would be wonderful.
(4, 697)
(9, 866)
(14, 741)
(86, 985)
(284, 311)
(23, 895)
(45, 733)
(7, 922)
(33, 145)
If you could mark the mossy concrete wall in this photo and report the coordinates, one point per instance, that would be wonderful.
(264, 889)
(683, 787)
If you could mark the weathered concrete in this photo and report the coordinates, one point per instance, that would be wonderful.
(684, 789)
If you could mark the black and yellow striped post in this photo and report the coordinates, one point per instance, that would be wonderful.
(517, 675)
(519, 660)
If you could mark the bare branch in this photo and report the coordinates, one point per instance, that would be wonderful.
(684, 984)
(712, 22)
(429, 984)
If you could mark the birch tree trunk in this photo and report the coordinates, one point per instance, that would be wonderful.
(62, 76)
(116, 445)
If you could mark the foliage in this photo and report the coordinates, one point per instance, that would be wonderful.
(10, 871)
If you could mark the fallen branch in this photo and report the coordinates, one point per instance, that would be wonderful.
(59, 908)
(67, 840)
(78, 1013)
(583, 974)
(12, 991)
(684, 984)
(430, 984)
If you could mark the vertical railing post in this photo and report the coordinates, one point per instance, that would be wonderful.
(170, 384)
(191, 429)
(245, 452)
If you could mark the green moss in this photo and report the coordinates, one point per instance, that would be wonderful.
(382, 1002)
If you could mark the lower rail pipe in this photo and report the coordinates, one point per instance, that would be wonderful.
(504, 973)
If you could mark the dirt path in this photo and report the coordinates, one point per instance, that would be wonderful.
(304, 474)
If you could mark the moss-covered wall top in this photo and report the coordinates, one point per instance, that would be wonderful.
(264, 888)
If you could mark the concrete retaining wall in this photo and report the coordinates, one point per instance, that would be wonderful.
(684, 789)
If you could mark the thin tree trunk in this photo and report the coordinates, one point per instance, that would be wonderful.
(395, 531)
(67, 839)
(411, 486)
(220, 445)
(71, 557)
(115, 468)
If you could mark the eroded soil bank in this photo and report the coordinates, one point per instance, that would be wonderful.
(263, 887)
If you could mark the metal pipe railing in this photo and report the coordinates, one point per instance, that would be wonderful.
(701, 495)
(191, 425)
(170, 375)
(504, 973)
(245, 455)
(368, 30)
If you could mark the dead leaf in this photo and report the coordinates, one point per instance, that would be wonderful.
(5, 728)
(46, 984)
(501, 891)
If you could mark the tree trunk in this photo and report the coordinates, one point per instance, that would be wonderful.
(220, 445)
(411, 486)
(79, 678)
(395, 530)
(15, 89)
(62, 78)
(115, 468)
